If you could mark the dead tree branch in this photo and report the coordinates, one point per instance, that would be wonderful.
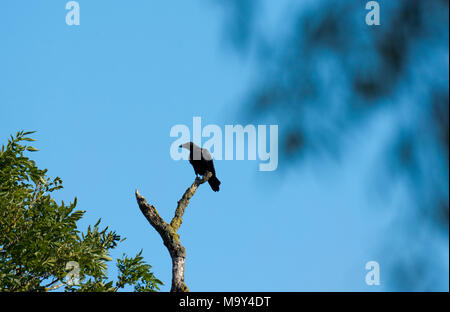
(168, 232)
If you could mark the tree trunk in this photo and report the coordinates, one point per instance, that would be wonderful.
(168, 232)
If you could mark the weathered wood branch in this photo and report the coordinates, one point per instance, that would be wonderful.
(168, 232)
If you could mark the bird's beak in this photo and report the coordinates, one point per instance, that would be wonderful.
(180, 145)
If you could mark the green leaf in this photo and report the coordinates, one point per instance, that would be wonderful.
(106, 258)
(32, 149)
(39, 236)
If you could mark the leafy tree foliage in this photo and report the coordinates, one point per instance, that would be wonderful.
(324, 76)
(41, 248)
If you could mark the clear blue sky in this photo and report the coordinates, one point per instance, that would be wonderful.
(103, 97)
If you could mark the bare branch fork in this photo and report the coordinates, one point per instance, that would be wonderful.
(168, 232)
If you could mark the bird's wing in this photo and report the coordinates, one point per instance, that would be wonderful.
(206, 155)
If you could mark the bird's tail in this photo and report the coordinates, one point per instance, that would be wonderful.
(214, 183)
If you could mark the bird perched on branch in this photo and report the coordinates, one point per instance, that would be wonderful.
(202, 162)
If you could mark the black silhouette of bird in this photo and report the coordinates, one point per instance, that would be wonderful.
(201, 161)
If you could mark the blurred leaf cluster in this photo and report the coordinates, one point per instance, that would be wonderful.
(323, 76)
(39, 237)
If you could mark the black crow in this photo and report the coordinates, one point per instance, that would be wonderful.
(201, 160)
